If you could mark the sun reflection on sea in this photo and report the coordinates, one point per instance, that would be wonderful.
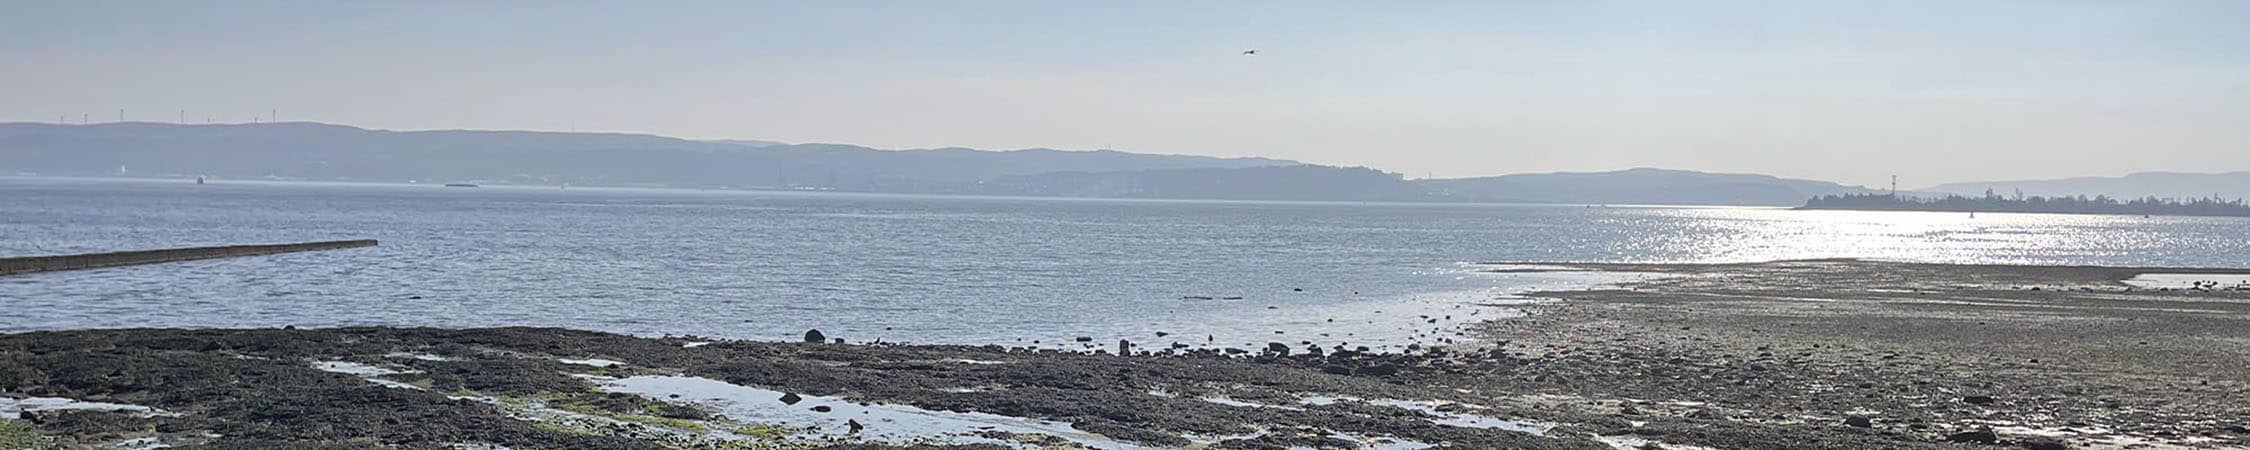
(1765, 234)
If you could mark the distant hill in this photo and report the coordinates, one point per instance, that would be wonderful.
(1301, 182)
(1308, 182)
(2137, 185)
(1638, 186)
(335, 152)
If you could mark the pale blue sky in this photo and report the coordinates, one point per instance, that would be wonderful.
(1934, 91)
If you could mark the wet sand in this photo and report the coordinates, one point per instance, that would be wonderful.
(1786, 355)
(2036, 355)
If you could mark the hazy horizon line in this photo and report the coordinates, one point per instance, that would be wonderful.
(1091, 150)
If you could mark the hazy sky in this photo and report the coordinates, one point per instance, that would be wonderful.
(1851, 91)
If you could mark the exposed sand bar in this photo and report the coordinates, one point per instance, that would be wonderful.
(30, 264)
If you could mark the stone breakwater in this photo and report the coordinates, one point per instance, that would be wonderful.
(30, 264)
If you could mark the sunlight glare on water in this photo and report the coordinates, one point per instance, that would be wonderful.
(1768, 234)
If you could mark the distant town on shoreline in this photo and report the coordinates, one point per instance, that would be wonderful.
(2019, 203)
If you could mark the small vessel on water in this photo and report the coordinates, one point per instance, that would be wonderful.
(460, 185)
(198, 179)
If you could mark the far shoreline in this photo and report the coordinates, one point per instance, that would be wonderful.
(514, 187)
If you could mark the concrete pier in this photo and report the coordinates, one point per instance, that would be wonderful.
(29, 264)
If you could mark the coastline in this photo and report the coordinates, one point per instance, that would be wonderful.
(1790, 354)
(2013, 211)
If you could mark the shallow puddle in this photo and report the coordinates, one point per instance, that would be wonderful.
(418, 356)
(368, 372)
(1224, 400)
(1383, 442)
(1440, 417)
(358, 369)
(595, 362)
(1638, 443)
(890, 423)
(2190, 281)
(13, 407)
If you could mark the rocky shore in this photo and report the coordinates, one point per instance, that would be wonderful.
(1787, 355)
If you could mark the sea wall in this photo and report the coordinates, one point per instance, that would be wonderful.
(29, 264)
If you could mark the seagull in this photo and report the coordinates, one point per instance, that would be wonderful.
(1250, 52)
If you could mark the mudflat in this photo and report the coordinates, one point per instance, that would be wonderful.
(2036, 356)
(1782, 355)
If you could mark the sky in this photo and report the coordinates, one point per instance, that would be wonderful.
(1848, 91)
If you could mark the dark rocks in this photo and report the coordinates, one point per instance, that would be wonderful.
(1124, 347)
(2043, 443)
(1859, 421)
(1277, 348)
(814, 336)
(1083, 339)
(1108, 395)
(822, 408)
(854, 425)
(1981, 436)
(1977, 400)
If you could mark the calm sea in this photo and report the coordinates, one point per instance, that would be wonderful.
(769, 265)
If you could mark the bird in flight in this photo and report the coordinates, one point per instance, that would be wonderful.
(1250, 52)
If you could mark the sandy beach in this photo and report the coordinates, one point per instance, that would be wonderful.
(1784, 355)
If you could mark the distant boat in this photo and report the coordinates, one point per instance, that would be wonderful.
(460, 185)
(198, 179)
